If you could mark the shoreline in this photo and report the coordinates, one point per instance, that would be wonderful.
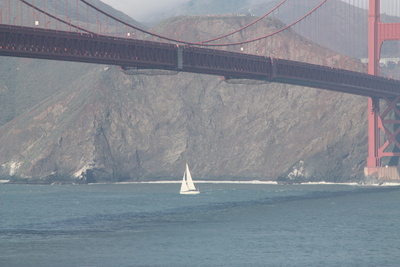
(249, 182)
(258, 182)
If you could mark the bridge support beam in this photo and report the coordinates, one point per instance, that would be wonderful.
(383, 127)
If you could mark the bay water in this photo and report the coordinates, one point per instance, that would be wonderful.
(227, 224)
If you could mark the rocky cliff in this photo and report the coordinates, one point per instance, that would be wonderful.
(69, 122)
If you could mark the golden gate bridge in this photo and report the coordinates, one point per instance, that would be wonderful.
(82, 31)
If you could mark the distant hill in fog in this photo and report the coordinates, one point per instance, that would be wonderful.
(335, 19)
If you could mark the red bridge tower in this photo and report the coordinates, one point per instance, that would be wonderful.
(383, 131)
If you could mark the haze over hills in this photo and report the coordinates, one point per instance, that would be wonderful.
(72, 122)
(207, 7)
(330, 32)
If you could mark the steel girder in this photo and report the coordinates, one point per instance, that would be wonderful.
(229, 64)
(390, 128)
(80, 47)
(336, 79)
(70, 46)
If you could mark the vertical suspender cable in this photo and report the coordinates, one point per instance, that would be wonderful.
(28, 15)
(315, 21)
(326, 36)
(45, 17)
(21, 15)
(348, 10)
(67, 15)
(117, 30)
(9, 12)
(106, 25)
(341, 30)
(348, 32)
(365, 24)
(354, 29)
(302, 25)
(56, 7)
(35, 16)
(77, 14)
(87, 17)
(297, 54)
(96, 22)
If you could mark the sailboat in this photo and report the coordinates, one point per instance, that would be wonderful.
(187, 186)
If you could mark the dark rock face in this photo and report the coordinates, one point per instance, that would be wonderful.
(97, 123)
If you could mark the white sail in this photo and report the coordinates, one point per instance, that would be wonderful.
(187, 186)
(184, 186)
(189, 180)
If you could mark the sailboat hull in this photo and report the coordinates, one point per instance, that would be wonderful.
(190, 192)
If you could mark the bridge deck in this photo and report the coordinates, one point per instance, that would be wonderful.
(18, 41)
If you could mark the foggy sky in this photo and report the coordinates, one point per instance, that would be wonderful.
(140, 9)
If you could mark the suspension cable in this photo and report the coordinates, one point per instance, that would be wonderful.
(56, 18)
(271, 34)
(244, 27)
(203, 43)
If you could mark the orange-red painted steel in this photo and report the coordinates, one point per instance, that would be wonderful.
(379, 32)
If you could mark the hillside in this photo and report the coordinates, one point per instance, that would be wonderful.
(330, 30)
(69, 122)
